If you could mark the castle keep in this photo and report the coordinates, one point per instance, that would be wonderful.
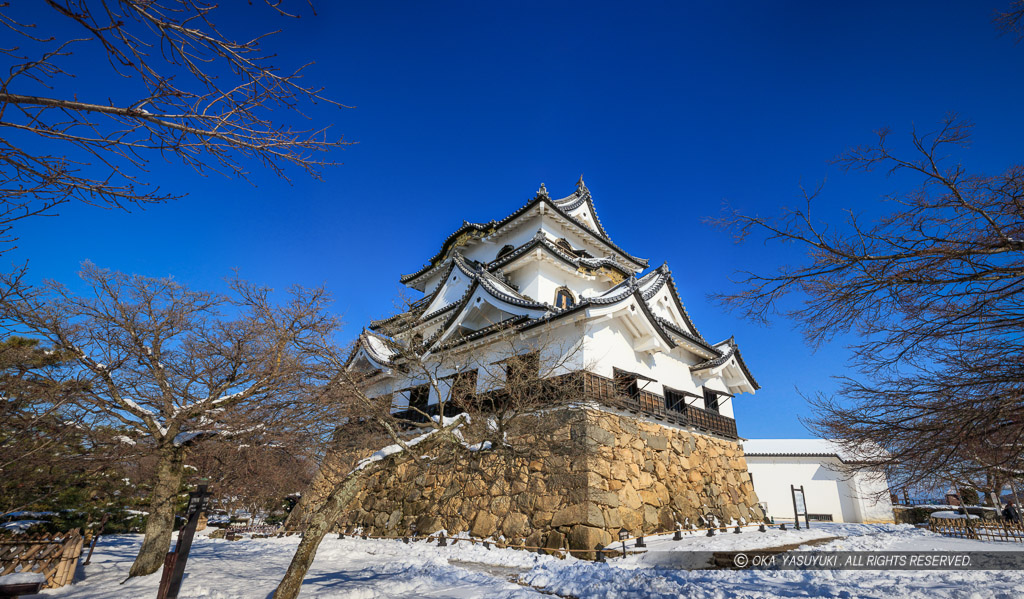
(655, 414)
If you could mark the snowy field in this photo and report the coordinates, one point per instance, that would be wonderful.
(356, 568)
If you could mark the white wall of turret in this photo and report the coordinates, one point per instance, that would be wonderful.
(540, 279)
(609, 345)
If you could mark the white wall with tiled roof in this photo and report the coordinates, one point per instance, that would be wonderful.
(817, 464)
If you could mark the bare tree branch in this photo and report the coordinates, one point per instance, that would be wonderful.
(935, 293)
(189, 92)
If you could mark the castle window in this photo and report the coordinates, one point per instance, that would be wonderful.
(627, 383)
(710, 400)
(564, 244)
(463, 387)
(564, 298)
(419, 397)
(504, 251)
(674, 400)
(521, 370)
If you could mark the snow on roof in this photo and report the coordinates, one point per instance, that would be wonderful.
(478, 231)
(379, 347)
(795, 447)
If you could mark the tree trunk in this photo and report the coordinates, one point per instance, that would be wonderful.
(320, 522)
(160, 522)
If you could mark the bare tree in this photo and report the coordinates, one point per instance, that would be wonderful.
(935, 292)
(185, 90)
(499, 406)
(178, 366)
(1011, 21)
(256, 471)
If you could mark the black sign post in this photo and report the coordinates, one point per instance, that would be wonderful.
(623, 535)
(174, 565)
(799, 506)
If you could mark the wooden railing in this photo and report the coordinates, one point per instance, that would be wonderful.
(603, 390)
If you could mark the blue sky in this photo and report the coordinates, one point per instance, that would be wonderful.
(668, 109)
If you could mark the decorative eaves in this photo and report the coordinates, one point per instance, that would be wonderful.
(493, 286)
(666, 277)
(617, 293)
(480, 230)
(374, 345)
(732, 351)
(578, 198)
(699, 341)
(481, 333)
(541, 241)
(385, 323)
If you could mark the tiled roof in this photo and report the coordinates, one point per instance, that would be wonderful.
(541, 241)
(700, 341)
(490, 227)
(480, 333)
(378, 347)
(733, 350)
(577, 199)
(667, 278)
(494, 286)
(813, 448)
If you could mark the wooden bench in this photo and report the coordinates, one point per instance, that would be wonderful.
(18, 589)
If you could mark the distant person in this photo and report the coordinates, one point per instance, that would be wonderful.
(1010, 512)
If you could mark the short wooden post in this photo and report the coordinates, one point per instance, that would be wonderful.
(197, 503)
(96, 538)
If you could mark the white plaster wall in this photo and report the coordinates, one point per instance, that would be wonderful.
(609, 345)
(550, 277)
(560, 354)
(663, 305)
(527, 278)
(873, 503)
(826, 490)
(520, 233)
(433, 281)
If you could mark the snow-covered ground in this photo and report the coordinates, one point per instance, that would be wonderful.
(20, 525)
(357, 568)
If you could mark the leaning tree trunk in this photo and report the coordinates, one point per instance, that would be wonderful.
(160, 522)
(320, 522)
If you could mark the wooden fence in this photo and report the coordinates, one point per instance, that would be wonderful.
(263, 529)
(55, 556)
(977, 528)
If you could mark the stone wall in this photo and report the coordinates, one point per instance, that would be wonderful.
(622, 472)
(647, 477)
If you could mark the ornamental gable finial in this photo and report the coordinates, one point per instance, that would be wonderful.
(542, 192)
(580, 185)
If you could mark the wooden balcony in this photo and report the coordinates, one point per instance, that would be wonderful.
(604, 391)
